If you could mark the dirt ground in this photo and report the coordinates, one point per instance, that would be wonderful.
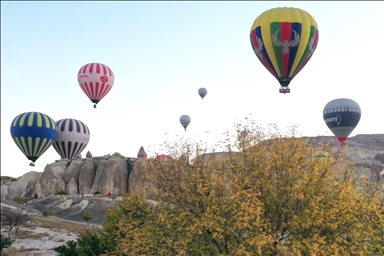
(42, 234)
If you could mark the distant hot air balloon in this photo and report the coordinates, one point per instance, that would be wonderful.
(33, 133)
(73, 136)
(202, 92)
(342, 116)
(96, 80)
(185, 121)
(284, 39)
(163, 157)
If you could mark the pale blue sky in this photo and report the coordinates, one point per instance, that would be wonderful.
(161, 53)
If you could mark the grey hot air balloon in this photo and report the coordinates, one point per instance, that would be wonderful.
(73, 136)
(342, 116)
(202, 92)
(185, 120)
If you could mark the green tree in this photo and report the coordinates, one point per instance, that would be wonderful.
(267, 193)
(89, 244)
(68, 249)
(5, 243)
(87, 216)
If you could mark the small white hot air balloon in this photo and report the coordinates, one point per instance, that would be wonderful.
(185, 121)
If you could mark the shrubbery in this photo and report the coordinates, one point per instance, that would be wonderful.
(5, 243)
(61, 192)
(266, 194)
(20, 199)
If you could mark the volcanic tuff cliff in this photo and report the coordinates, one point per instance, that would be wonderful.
(118, 174)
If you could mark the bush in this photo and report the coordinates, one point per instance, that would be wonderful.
(67, 250)
(45, 213)
(5, 242)
(20, 199)
(61, 192)
(87, 216)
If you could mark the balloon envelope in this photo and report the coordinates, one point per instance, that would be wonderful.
(96, 80)
(73, 136)
(185, 120)
(284, 39)
(342, 116)
(202, 92)
(163, 157)
(33, 133)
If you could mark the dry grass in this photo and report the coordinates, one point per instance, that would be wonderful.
(24, 234)
(40, 232)
(57, 224)
(12, 251)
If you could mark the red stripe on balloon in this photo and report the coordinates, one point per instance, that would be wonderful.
(91, 68)
(85, 68)
(110, 72)
(91, 91)
(98, 68)
(85, 89)
(264, 60)
(285, 36)
(108, 88)
(102, 91)
(97, 91)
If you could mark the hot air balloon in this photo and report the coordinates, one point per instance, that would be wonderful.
(96, 80)
(202, 92)
(164, 157)
(342, 116)
(33, 133)
(73, 136)
(284, 39)
(185, 121)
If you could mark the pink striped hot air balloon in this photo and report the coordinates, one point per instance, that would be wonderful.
(96, 80)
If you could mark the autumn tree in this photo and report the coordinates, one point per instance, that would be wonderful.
(265, 193)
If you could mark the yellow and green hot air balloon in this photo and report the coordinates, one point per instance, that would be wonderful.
(284, 39)
(33, 133)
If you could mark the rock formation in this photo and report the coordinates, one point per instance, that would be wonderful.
(22, 187)
(72, 187)
(48, 183)
(137, 178)
(119, 174)
(113, 177)
(87, 176)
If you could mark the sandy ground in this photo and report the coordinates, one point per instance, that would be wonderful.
(44, 243)
(34, 240)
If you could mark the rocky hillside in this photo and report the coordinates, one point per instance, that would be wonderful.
(118, 174)
(86, 180)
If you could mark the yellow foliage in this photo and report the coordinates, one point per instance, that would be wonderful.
(268, 193)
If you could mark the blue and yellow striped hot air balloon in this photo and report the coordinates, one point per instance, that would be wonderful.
(33, 133)
(284, 39)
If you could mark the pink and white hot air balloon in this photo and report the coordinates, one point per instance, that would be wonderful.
(96, 80)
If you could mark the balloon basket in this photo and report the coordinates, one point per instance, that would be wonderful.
(285, 90)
